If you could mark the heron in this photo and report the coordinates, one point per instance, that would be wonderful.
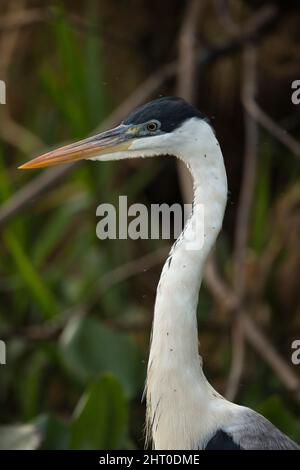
(183, 410)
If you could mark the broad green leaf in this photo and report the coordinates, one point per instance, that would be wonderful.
(101, 417)
(90, 349)
(55, 432)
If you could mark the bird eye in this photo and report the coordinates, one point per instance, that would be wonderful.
(152, 126)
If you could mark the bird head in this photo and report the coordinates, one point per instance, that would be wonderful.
(155, 128)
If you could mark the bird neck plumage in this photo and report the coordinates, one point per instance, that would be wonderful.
(175, 379)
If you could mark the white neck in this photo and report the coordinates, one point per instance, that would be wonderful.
(177, 391)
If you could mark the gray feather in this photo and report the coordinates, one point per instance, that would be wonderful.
(251, 431)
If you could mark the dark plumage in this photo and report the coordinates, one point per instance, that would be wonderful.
(222, 441)
(170, 111)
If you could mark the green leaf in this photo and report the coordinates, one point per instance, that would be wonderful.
(28, 387)
(90, 349)
(19, 437)
(275, 410)
(262, 199)
(33, 281)
(78, 90)
(56, 433)
(101, 417)
(96, 92)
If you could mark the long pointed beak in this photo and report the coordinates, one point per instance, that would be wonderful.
(114, 140)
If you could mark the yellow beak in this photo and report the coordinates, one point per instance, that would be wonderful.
(114, 140)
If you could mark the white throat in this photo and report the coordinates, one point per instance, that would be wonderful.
(177, 391)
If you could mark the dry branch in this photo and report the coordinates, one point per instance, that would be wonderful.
(186, 77)
(271, 126)
(227, 299)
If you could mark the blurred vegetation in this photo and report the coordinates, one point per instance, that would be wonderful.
(77, 332)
